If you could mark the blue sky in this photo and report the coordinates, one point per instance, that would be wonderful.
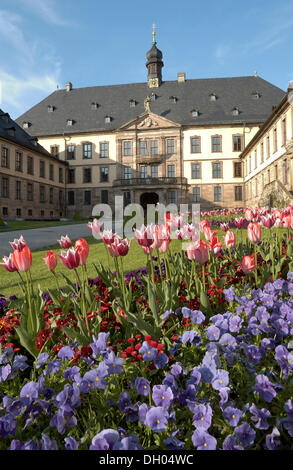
(92, 42)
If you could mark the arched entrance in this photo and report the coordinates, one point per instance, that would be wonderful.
(148, 198)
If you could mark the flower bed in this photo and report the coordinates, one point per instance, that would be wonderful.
(194, 351)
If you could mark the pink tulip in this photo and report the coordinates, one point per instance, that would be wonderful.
(208, 233)
(70, 258)
(287, 221)
(278, 223)
(95, 227)
(119, 247)
(190, 231)
(83, 249)
(177, 221)
(8, 263)
(22, 259)
(51, 260)
(268, 221)
(239, 222)
(248, 264)
(18, 244)
(164, 246)
(204, 223)
(254, 232)
(179, 234)
(199, 251)
(144, 236)
(224, 227)
(65, 242)
(107, 236)
(248, 214)
(230, 240)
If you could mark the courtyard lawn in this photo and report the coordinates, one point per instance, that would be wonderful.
(9, 282)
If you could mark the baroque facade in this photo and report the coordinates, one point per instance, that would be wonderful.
(268, 158)
(178, 141)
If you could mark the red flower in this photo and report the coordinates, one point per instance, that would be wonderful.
(22, 259)
(51, 260)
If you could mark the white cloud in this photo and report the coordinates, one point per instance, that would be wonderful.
(29, 68)
(17, 94)
(47, 11)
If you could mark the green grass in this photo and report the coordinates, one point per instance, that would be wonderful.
(9, 282)
(30, 224)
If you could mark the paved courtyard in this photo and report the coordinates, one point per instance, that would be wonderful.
(39, 238)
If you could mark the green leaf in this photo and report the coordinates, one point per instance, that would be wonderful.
(27, 341)
(75, 336)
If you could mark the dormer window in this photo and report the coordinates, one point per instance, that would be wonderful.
(94, 105)
(132, 103)
(213, 97)
(108, 119)
(255, 95)
(51, 108)
(195, 113)
(25, 125)
(235, 111)
(11, 131)
(34, 141)
(69, 122)
(153, 96)
(173, 99)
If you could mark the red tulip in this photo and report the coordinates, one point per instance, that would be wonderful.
(230, 239)
(83, 249)
(8, 263)
(215, 244)
(254, 232)
(51, 260)
(70, 258)
(22, 259)
(248, 264)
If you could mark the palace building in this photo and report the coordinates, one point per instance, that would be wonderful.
(176, 141)
(32, 181)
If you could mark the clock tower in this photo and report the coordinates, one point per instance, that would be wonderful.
(154, 64)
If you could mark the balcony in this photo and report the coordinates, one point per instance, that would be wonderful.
(149, 159)
(150, 181)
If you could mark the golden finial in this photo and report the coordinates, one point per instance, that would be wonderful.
(154, 34)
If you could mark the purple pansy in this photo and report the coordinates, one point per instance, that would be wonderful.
(232, 415)
(162, 395)
(157, 418)
(142, 386)
(202, 416)
(202, 440)
(245, 434)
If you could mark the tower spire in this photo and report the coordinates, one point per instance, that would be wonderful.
(154, 35)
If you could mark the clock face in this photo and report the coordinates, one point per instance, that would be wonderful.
(153, 82)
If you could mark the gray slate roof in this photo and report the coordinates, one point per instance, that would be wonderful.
(113, 100)
(11, 131)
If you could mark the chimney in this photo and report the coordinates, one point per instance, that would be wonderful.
(68, 86)
(181, 77)
(290, 92)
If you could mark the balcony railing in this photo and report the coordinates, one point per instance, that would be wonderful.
(150, 181)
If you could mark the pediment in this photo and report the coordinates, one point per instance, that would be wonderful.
(146, 121)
